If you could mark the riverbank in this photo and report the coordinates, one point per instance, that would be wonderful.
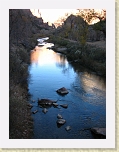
(91, 56)
(20, 120)
(24, 29)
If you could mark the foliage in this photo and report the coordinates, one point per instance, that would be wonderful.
(17, 64)
(101, 26)
(20, 125)
(91, 57)
(90, 15)
(82, 29)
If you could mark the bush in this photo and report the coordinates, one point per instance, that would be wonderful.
(20, 121)
(18, 69)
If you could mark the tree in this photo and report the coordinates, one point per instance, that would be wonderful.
(91, 15)
(94, 15)
(100, 26)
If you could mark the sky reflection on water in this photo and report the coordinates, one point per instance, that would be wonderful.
(86, 99)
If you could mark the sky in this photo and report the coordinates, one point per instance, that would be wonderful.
(51, 15)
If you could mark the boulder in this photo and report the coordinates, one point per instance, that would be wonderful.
(61, 121)
(62, 91)
(45, 102)
(99, 131)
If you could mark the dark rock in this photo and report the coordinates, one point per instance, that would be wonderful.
(62, 91)
(67, 128)
(59, 116)
(99, 131)
(60, 50)
(45, 102)
(55, 104)
(45, 110)
(64, 106)
(30, 106)
(61, 121)
(50, 47)
(34, 112)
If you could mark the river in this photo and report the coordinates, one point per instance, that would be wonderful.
(86, 99)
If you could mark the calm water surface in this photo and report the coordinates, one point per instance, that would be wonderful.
(86, 100)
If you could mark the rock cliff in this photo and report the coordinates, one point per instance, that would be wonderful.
(23, 25)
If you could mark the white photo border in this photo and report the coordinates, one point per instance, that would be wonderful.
(109, 142)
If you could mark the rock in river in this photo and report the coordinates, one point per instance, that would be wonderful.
(62, 91)
(64, 105)
(45, 102)
(61, 121)
(45, 110)
(99, 131)
(59, 116)
(35, 111)
(55, 104)
(30, 106)
(67, 128)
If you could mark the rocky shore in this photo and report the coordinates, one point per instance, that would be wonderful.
(23, 27)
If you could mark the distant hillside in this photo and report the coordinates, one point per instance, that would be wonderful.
(74, 27)
(22, 25)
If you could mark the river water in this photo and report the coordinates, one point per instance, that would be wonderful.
(86, 99)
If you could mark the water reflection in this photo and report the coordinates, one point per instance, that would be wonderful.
(91, 82)
(86, 99)
(42, 56)
(90, 88)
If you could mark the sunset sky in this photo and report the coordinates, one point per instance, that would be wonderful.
(51, 15)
